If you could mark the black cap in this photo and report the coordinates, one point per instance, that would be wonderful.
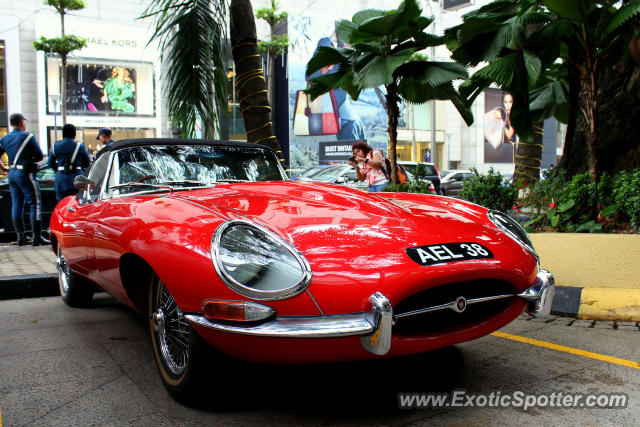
(104, 131)
(16, 119)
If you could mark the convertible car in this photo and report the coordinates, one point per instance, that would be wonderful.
(219, 249)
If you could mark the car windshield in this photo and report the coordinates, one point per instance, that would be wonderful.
(326, 174)
(166, 167)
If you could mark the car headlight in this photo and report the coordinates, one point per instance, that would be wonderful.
(257, 263)
(513, 229)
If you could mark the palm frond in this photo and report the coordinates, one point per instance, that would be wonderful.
(501, 70)
(325, 56)
(626, 13)
(192, 38)
(430, 73)
(364, 15)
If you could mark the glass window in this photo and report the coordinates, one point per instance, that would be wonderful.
(97, 173)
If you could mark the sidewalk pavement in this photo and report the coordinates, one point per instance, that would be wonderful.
(27, 272)
(597, 275)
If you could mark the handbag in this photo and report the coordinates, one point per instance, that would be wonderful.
(317, 117)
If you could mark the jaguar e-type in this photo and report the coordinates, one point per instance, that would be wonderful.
(213, 243)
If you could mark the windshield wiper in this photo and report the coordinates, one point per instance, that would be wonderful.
(142, 184)
(187, 182)
(233, 180)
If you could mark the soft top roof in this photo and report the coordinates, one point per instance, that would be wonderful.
(178, 141)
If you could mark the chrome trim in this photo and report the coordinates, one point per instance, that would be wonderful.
(251, 292)
(342, 325)
(527, 245)
(379, 342)
(373, 326)
(540, 295)
(453, 305)
(315, 302)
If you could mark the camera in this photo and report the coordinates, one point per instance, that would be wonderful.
(352, 159)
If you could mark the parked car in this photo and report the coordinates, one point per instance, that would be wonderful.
(337, 174)
(212, 243)
(46, 179)
(451, 183)
(432, 173)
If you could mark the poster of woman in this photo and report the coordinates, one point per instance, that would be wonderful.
(500, 139)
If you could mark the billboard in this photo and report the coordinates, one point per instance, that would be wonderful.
(314, 121)
(500, 140)
(95, 87)
(335, 152)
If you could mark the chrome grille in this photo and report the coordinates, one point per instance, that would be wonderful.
(435, 309)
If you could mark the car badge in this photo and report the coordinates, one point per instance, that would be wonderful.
(460, 304)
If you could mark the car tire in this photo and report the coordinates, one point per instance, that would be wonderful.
(181, 355)
(444, 192)
(74, 290)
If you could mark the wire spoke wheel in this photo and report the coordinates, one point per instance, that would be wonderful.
(63, 272)
(171, 331)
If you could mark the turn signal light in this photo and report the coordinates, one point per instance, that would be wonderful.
(236, 311)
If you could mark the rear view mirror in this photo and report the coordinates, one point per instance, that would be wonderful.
(83, 183)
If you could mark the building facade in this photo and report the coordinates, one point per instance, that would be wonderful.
(116, 82)
(113, 82)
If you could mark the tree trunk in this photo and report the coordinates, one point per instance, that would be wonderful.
(589, 107)
(527, 159)
(393, 112)
(63, 90)
(570, 145)
(251, 86)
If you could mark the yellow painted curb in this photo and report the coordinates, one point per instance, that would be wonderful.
(610, 304)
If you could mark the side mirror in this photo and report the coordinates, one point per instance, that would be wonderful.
(341, 180)
(83, 183)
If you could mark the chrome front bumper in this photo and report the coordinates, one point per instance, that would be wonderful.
(374, 325)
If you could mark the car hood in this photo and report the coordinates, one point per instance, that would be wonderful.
(357, 240)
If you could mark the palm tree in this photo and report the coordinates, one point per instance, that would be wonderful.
(192, 35)
(192, 41)
(517, 42)
(588, 28)
(378, 50)
(63, 45)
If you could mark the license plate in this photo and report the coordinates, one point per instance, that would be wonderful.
(448, 252)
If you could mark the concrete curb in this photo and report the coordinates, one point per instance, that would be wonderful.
(597, 303)
(29, 286)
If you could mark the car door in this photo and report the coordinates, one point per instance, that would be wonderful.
(455, 184)
(76, 239)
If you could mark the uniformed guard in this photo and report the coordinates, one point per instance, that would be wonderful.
(104, 136)
(23, 152)
(69, 159)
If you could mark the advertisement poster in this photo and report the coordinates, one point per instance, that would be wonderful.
(500, 139)
(335, 117)
(101, 88)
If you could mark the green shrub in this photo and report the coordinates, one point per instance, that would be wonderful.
(626, 194)
(489, 191)
(418, 185)
(570, 204)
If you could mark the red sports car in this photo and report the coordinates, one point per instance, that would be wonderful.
(214, 244)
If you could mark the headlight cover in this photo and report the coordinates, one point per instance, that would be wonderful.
(257, 263)
(513, 229)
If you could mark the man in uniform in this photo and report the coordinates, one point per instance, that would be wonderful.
(104, 135)
(68, 158)
(24, 152)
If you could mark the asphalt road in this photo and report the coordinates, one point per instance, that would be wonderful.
(65, 366)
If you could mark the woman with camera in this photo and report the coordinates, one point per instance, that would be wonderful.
(368, 164)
